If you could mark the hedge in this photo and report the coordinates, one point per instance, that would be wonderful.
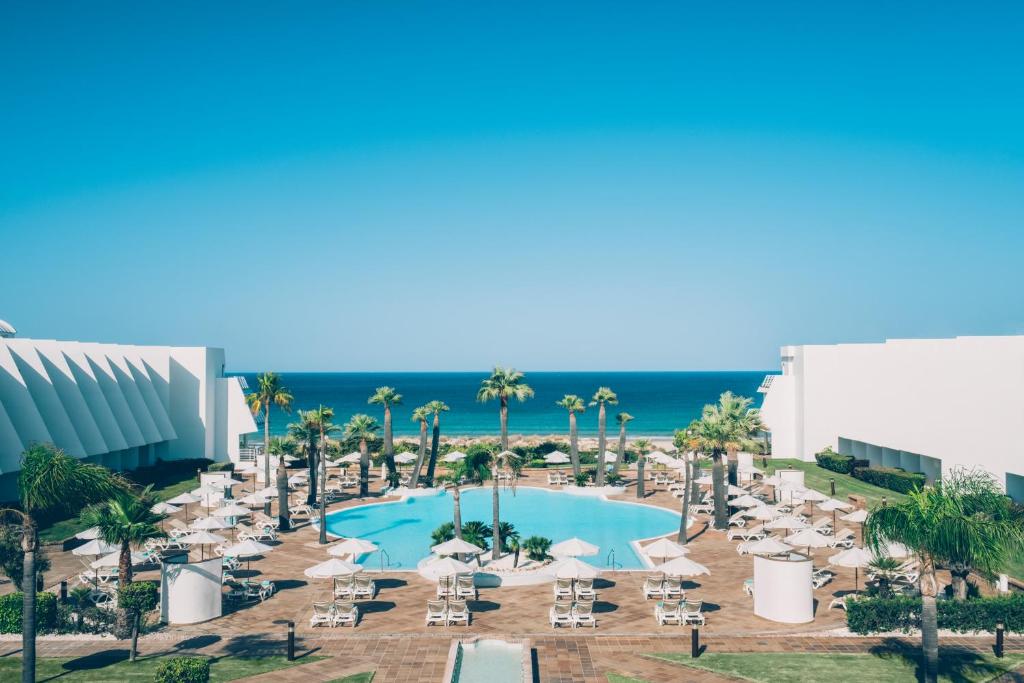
(184, 670)
(10, 612)
(873, 615)
(830, 460)
(892, 478)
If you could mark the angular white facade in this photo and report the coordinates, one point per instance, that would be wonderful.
(926, 405)
(121, 406)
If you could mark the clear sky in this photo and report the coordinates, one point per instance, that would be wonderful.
(444, 186)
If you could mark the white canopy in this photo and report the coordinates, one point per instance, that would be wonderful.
(114, 560)
(557, 458)
(683, 566)
(786, 522)
(895, 550)
(658, 456)
(206, 490)
(268, 492)
(353, 457)
(665, 549)
(184, 499)
(247, 468)
(814, 496)
(232, 510)
(456, 546)
(610, 456)
(454, 456)
(833, 504)
(854, 557)
(253, 499)
(331, 568)
(352, 546)
(574, 547)
(405, 458)
(164, 509)
(448, 566)
(95, 547)
(89, 534)
(746, 501)
(202, 538)
(767, 546)
(247, 548)
(857, 516)
(706, 480)
(298, 479)
(222, 483)
(209, 523)
(809, 538)
(773, 480)
(734, 490)
(761, 513)
(571, 568)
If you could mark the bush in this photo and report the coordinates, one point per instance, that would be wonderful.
(184, 670)
(10, 612)
(139, 597)
(872, 615)
(892, 478)
(830, 460)
(222, 467)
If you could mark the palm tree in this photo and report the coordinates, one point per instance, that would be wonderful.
(642, 448)
(603, 396)
(623, 419)
(420, 415)
(454, 480)
(306, 432)
(321, 417)
(501, 461)
(574, 404)
(963, 519)
(50, 481)
(681, 441)
(281, 447)
(503, 384)
(268, 392)
(477, 533)
(387, 397)
(362, 427)
(125, 519)
(434, 408)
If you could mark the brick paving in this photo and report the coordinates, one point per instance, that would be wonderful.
(392, 640)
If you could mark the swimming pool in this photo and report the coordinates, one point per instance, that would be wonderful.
(402, 528)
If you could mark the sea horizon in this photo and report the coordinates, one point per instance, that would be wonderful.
(659, 401)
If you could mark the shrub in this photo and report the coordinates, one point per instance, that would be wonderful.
(873, 615)
(536, 548)
(222, 467)
(184, 670)
(139, 597)
(830, 460)
(892, 478)
(10, 612)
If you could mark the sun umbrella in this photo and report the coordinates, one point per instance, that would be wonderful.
(734, 490)
(223, 483)
(268, 492)
(353, 457)
(164, 509)
(786, 522)
(114, 560)
(456, 546)
(89, 534)
(298, 480)
(204, 492)
(809, 538)
(232, 510)
(448, 566)
(762, 513)
(454, 456)
(572, 568)
(746, 501)
(857, 517)
(706, 480)
(831, 505)
(96, 546)
(658, 456)
(854, 557)
(352, 546)
(665, 549)
(202, 539)
(247, 549)
(405, 458)
(331, 568)
(767, 546)
(814, 496)
(897, 551)
(683, 566)
(610, 456)
(210, 524)
(557, 458)
(773, 480)
(185, 499)
(254, 499)
(574, 547)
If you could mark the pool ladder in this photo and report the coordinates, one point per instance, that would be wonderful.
(609, 561)
(385, 560)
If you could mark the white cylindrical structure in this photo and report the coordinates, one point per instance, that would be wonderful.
(783, 590)
(190, 592)
(745, 460)
(791, 476)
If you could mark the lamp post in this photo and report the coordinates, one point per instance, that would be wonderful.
(832, 485)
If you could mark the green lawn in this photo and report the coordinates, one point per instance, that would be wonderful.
(99, 668)
(355, 678)
(818, 478)
(616, 678)
(891, 665)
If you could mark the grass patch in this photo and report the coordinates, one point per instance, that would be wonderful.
(114, 666)
(816, 477)
(616, 678)
(365, 677)
(887, 663)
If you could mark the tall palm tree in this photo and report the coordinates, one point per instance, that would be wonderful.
(306, 433)
(281, 447)
(50, 481)
(642, 448)
(602, 397)
(269, 392)
(681, 441)
(362, 427)
(420, 415)
(502, 461)
(387, 397)
(623, 419)
(321, 417)
(434, 408)
(503, 384)
(574, 404)
(965, 518)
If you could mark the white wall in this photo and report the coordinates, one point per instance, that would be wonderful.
(960, 401)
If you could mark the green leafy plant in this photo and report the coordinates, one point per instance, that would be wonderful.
(537, 548)
(477, 533)
(10, 612)
(892, 478)
(183, 670)
(136, 599)
(830, 460)
(876, 615)
(443, 533)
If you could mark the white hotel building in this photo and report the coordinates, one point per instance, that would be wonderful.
(120, 406)
(925, 405)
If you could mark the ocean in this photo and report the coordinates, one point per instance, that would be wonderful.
(660, 402)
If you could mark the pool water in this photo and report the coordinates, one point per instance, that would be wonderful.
(403, 528)
(489, 661)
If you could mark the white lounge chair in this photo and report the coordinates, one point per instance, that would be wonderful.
(465, 588)
(560, 614)
(323, 614)
(585, 589)
(437, 612)
(344, 588)
(445, 587)
(562, 588)
(346, 613)
(819, 577)
(667, 612)
(844, 539)
(363, 587)
(457, 611)
(654, 587)
(690, 612)
(673, 588)
(583, 613)
(823, 525)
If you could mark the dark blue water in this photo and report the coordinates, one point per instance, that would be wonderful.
(660, 402)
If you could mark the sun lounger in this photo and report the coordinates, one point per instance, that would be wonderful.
(323, 614)
(690, 612)
(437, 612)
(457, 611)
(824, 525)
(673, 588)
(583, 614)
(258, 533)
(363, 587)
(738, 519)
(667, 612)
(585, 589)
(819, 577)
(840, 602)
(344, 588)
(754, 533)
(464, 587)
(748, 587)
(345, 613)
(844, 539)
(563, 588)
(554, 479)
(445, 587)
(654, 587)
(560, 614)
(261, 520)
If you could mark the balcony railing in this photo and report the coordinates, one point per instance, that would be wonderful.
(766, 383)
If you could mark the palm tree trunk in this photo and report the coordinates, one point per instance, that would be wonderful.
(930, 638)
(574, 448)
(323, 499)
(364, 469)
(599, 477)
(622, 447)
(495, 532)
(29, 544)
(389, 446)
(720, 492)
(283, 515)
(959, 584)
(435, 441)
(135, 637)
(640, 462)
(421, 454)
(692, 481)
(311, 461)
(457, 515)
(504, 423)
(681, 538)
(266, 454)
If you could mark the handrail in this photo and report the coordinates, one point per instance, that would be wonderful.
(384, 555)
(609, 560)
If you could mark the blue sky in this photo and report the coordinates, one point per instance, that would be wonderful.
(434, 186)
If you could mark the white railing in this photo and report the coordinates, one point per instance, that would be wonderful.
(766, 383)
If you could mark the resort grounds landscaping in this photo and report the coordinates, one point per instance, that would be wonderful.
(114, 666)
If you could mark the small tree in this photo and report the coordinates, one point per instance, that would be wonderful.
(136, 599)
(537, 548)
